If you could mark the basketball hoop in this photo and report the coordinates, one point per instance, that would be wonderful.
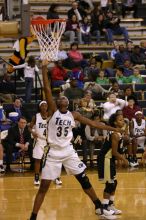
(48, 33)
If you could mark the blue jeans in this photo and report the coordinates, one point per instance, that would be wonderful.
(97, 34)
(28, 87)
(118, 31)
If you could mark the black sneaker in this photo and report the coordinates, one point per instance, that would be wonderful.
(2, 170)
(36, 180)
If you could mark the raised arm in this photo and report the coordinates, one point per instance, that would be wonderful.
(48, 93)
(77, 116)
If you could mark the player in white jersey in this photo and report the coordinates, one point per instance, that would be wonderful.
(138, 132)
(60, 149)
(38, 128)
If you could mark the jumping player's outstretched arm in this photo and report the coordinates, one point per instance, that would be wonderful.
(48, 93)
(77, 116)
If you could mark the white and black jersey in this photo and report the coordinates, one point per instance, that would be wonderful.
(139, 129)
(60, 128)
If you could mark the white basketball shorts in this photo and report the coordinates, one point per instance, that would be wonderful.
(38, 150)
(67, 157)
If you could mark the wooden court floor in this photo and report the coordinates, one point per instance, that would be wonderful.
(69, 202)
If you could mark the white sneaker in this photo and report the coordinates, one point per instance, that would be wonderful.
(2, 170)
(116, 211)
(136, 163)
(132, 164)
(104, 212)
(36, 182)
(58, 181)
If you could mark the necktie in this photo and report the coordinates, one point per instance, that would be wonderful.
(21, 137)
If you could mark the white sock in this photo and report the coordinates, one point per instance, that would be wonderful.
(1, 162)
(112, 198)
(105, 201)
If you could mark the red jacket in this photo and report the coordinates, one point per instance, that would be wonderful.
(58, 73)
(130, 112)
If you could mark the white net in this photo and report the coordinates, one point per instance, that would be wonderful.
(49, 36)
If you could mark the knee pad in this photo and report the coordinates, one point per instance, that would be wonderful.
(110, 187)
(84, 181)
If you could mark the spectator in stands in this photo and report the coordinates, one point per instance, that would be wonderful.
(16, 107)
(62, 54)
(2, 170)
(18, 140)
(77, 73)
(115, 50)
(101, 79)
(121, 56)
(52, 13)
(129, 6)
(75, 10)
(121, 79)
(131, 108)
(85, 31)
(30, 69)
(91, 71)
(138, 134)
(95, 139)
(88, 98)
(74, 92)
(129, 48)
(128, 70)
(98, 27)
(114, 28)
(74, 55)
(136, 77)
(143, 46)
(73, 30)
(98, 92)
(112, 105)
(115, 88)
(7, 89)
(138, 58)
(86, 6)
(128, 92)
(58, 74)
(85, 109)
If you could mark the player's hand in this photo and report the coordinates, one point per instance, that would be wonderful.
(25, 147)
(35, 135)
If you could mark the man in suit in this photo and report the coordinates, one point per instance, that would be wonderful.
(18, 139)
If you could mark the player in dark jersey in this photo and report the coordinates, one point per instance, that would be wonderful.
(111, 150)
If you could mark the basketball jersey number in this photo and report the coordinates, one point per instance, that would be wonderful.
(62, 131)
(45, 132)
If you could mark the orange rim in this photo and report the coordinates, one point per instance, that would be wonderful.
(43, 21)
